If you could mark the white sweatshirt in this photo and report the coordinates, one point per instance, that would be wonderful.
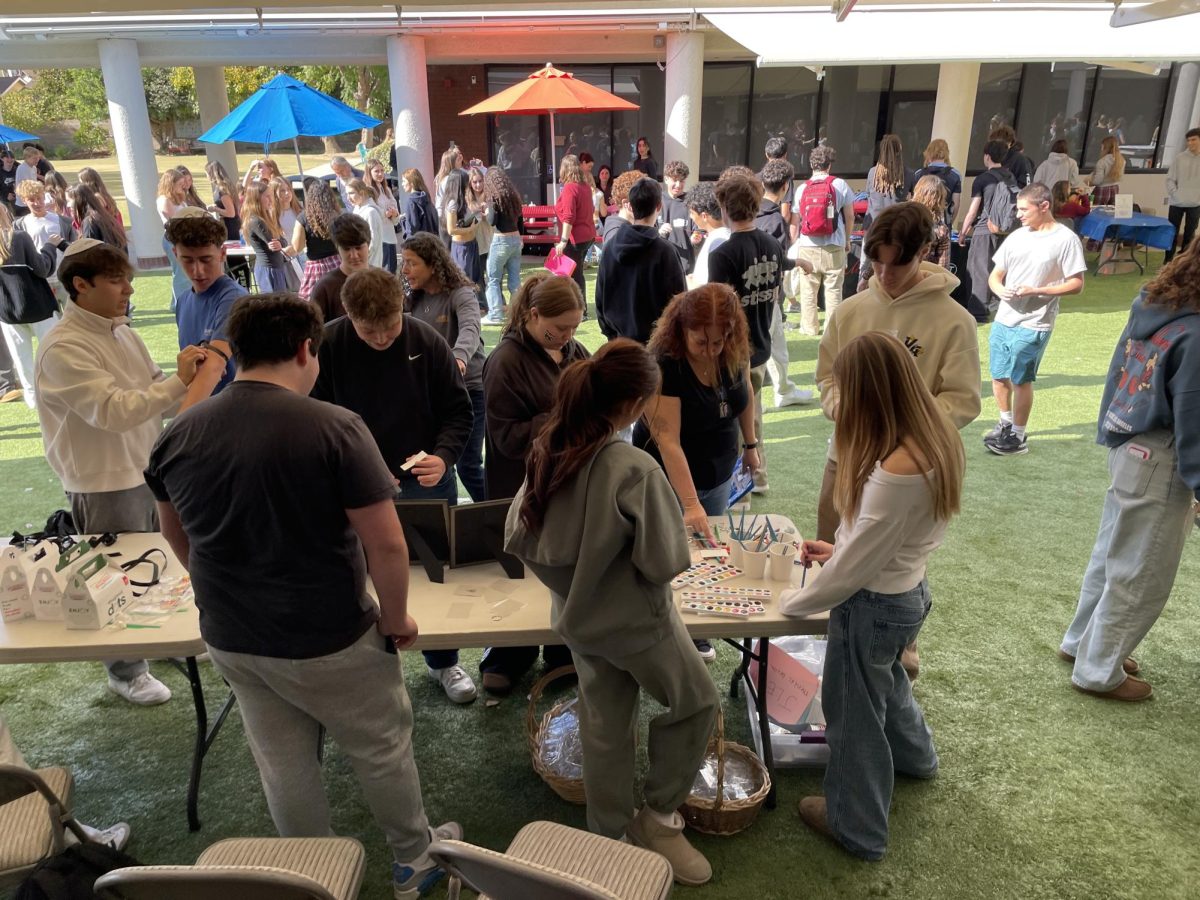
(1183, 180)
(101, 401)
(884, 549)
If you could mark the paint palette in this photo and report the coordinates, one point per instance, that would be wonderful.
(704, 605)
(759, 594)
(704, 574)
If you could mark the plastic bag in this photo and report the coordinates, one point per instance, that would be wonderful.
(562, 749)
(741, 778)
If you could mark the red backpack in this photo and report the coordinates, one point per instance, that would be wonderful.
(818, 208)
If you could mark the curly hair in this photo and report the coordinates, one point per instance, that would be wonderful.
(1175, 284)
(711, 306)
(321, 207)
(431, 251)
(621, 185)
(702, 199)
(499, 190)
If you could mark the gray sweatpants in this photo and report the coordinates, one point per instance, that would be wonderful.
(9, 754)
(673, 674)
(131, 510)
(358, 695)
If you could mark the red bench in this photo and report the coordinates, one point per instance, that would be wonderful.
(541, 225)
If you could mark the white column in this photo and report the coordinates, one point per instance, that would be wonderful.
(954, 109)
(1185, 111)
(135, 147)
(684, 91)
(214, 106)
(410, 104)
(1077, 92)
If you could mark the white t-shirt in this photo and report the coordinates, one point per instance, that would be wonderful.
(715, 239)
(1037, 259)
(41, 228)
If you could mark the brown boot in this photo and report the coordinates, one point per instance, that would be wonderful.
(1131, 690)
(815, 816)
(911, 660)
(688, 863)
(1130, 665)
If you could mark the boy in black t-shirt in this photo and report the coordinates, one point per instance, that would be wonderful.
(983, 243)
(752, 264)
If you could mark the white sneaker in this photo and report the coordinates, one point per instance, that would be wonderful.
(144, 689)
(417, 878)
(115, 836)
(793, 397)
(455, 682)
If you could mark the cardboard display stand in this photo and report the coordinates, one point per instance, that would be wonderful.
(427, 530)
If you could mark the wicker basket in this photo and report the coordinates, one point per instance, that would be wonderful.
(718, 815)
(570, 789)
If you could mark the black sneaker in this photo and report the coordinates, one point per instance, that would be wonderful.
(999, 429)
(1007, 444)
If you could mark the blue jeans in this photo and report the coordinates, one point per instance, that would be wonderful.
(446, 489)
(715, 501)
(389, 257)
(504, 256)
(1146, 521)
(470, 464)
(872, 723)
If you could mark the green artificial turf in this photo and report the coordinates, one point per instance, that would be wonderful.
(1042, 792)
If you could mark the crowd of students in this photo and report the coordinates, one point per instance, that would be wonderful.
(609, 458)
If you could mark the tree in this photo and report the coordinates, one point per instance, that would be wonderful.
(170, 95)
(366, 88)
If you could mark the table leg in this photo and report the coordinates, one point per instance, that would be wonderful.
(204, 736)
(764, 723)
(740, 672)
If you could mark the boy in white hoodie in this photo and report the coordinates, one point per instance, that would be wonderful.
(910, 299)
(101, 402)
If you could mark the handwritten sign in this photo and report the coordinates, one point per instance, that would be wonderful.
(791, 688)
(1123, 206)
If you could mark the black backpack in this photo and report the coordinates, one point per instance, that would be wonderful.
(71, 875)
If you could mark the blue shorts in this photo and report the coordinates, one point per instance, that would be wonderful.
(1015, 353)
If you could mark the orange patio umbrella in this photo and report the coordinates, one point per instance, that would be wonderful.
(545, 92)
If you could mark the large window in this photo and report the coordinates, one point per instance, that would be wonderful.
(785, 105)
(910, 114)
(995, 104)
(724, 116)
(851, 120)
(1055, 99)
(1128, 106)
(646, 86)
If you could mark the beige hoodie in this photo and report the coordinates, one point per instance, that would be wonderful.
(940, 334)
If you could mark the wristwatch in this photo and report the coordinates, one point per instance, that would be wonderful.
(753, 446)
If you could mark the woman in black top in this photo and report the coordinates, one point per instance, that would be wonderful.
(272, 269)
(692, 427)
(504, 255)
(519, 380)
(645, 162)
(312, 234)
(225, 200)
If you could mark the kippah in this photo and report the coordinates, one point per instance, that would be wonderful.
(188, 212)
(81, 245)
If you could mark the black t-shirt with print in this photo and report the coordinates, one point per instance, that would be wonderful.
(277, 569)
(752, 263)
(708, 422)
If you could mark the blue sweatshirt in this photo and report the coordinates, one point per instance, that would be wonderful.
(1154, 383)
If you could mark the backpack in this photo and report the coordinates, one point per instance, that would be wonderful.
(1000, 205)
(70, 875)
(818, 208)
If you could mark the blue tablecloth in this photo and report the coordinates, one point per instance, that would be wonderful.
(1154, 231)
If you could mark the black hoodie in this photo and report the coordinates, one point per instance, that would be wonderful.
(639, 274)
(675, 213)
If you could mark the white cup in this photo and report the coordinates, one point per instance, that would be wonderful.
(754, 564)
(736, 554)
(782, 561)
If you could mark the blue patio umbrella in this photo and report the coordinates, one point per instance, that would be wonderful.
(11, 134)
(285, 108)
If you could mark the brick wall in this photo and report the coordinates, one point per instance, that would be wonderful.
(450, 92)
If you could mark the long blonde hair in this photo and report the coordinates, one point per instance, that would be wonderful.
(1110, 145)
(569, 171)
(254, 207)
(930, 191)
(6, 231)
(168, 183)
(292, 203)
(883, 404)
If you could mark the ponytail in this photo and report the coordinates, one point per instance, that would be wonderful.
(551, 295)
(590, 394)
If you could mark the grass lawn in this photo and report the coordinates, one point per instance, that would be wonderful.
(1042, 793)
